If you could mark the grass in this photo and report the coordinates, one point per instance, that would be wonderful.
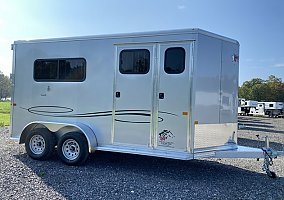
(4, 113)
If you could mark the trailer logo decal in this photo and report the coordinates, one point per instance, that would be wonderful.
(60, 111)
(164, 138)
(235, 58)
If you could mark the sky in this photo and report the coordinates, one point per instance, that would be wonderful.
(258, 25)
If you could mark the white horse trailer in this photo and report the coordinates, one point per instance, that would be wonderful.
(259, 110)
(170, 94)
(245, 107)
(241, 110)
(249, 105)
(273, 109)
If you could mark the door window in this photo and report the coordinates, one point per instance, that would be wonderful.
(134, 61)
(174, 60)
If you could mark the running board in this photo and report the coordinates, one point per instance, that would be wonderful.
(147, 152)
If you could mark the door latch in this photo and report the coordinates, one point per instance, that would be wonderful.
(161, 95)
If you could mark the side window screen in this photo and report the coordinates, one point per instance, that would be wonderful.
(174, 60)
(45, 69)
(134, 61)
(72, 69)
(60, 70)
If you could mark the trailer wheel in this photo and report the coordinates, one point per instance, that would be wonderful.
(40, 144)
(72, 148)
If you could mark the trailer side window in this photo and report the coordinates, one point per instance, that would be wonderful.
(72, 69)
(45, 70)
(134, 61)
(60, 70)
(271, 105)
(174, 60)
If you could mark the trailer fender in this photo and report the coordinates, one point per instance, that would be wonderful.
(60, 128)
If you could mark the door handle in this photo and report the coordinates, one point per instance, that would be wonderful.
(161, 95)
(117, 94)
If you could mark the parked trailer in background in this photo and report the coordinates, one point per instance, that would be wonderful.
(259, 110)
(246, 106)
(273, 109)
(241, 110)
(168, 94)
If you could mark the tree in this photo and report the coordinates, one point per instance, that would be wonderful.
(257, 89)
(5, 86)
(276, 88)
(244, 92)
(260, 92)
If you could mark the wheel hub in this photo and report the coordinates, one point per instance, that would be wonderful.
(71, 149)
(37, 144)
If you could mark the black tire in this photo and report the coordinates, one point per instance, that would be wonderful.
(40, 144)
(72, 148)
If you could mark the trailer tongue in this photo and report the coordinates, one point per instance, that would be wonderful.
(267, 153)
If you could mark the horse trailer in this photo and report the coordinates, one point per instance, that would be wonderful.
(241, 109)
(246, 107)
(259, 110)
(273, 109)
(169, 94)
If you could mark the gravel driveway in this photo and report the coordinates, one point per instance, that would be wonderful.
(122, 176)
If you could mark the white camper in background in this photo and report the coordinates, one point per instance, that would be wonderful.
(241, 109)
(250, 103)
(273, 109)
(259, 110)
(246, 107)
(170, 94)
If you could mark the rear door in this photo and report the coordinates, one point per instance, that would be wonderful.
(173, 95)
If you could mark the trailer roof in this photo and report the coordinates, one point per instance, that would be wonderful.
(128, 35)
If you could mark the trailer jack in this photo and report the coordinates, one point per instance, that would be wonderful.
(269, 154)
(268, 161)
